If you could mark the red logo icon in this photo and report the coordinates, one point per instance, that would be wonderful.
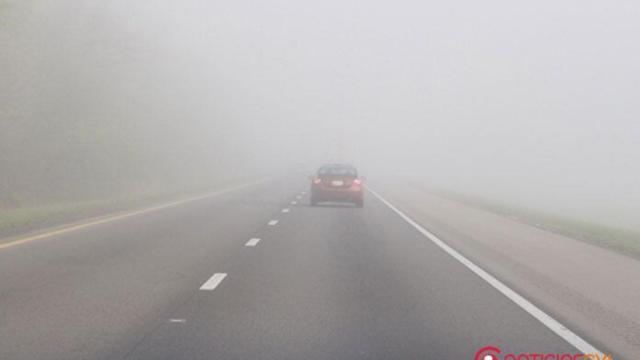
(487, 353)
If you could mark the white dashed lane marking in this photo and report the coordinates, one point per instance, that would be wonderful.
(294, 202)
(272, 222)
(213, 282)
(286, 210)
(252, 242)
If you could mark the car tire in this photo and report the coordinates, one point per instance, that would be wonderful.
(313, 201)
(359, 204)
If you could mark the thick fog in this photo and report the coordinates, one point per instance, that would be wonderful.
(532, 103)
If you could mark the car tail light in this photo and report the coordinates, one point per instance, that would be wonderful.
(317, 181)
(357, 182)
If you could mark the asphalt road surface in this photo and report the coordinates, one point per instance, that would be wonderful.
(254, 273)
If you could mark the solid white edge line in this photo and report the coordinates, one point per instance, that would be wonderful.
(272, 222)
(213, 282)
(555, 326)
(252, 242)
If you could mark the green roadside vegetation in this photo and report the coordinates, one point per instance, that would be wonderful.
(28, 217)
(623, 241)
(19, 220)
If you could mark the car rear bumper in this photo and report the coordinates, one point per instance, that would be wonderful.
(338, 195)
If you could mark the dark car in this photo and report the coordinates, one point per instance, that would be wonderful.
(337, 183)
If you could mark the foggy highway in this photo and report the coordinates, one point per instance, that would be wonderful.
(160, 163)
(255, 272)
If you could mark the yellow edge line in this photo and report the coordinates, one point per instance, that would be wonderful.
(68, 229)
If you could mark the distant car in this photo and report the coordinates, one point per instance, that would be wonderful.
(337, 183)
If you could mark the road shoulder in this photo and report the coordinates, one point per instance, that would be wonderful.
(586, 287)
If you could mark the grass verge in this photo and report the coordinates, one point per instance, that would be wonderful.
(623, 241)
(25, 219)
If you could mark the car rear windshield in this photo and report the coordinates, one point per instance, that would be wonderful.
(337, 171)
